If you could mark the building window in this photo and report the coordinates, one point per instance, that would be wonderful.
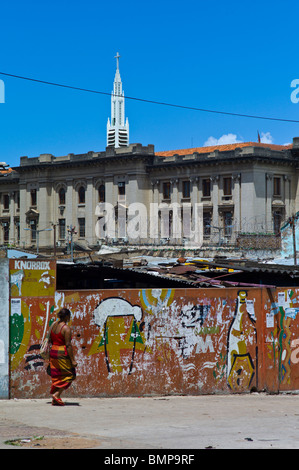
(17, 225)
(227, 186)
(5, 232)
(121, 188)
(186, 189)
(61, 229)
(277, 221)
(207, 220)
(33, 227)
(276, 186)
(206, 187)
(81, 223)
(166, 190)
(81, 195)
(102, 193)
(33, 194)
(228, 223)
(6, 202)
(61, 195)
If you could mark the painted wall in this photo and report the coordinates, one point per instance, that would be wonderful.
(156, 341)
(4, 328)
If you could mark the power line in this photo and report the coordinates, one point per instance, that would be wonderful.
(151, 101)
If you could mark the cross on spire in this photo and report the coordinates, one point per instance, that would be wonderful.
(117, 60)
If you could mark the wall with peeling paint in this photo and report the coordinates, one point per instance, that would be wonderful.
(136, 342)
(4, 328)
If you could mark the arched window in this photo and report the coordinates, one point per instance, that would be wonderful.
(81, 195)
(61, 195)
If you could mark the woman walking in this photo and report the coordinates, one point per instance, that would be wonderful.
(62, 361)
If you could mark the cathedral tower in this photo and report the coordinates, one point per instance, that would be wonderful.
(118, 128)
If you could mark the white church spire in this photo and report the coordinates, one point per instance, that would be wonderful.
(118, 128)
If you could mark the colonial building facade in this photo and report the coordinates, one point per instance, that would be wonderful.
(94, 197)
(241, 188)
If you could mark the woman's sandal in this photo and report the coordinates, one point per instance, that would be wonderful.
(57, 401)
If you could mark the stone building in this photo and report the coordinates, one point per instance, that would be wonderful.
(242, 188)
(237, 189)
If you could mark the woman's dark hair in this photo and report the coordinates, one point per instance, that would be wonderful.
(63, 314)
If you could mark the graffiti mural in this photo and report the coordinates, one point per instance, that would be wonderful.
(156, 339)
(135, 342)
(32, 278)
(120, 329)
(32, 287)
(287, 315)
(241, 367)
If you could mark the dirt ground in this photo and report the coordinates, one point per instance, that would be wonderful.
(255, 421)
(69, 442)
(43, 438)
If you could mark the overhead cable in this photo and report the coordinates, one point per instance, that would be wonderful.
(252, 116)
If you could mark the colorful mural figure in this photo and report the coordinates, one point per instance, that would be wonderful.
(287, 314)
(119, 323)
(20, 331)
(240, 360)
(28, 327)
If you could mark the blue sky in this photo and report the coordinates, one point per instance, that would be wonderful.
(233, 56)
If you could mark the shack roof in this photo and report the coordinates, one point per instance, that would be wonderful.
(176, 273)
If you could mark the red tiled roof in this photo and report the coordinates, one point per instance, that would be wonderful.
(221, 148)
(4, 172)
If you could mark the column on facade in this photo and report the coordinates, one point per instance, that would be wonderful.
(111, 193)
(175, 231)
(175, 190)
(89, 212)
(69, 204)
(237, 204)
(268, 202)
(153, 217)
(215, 201)
(187, 209)
(97, 211)
(45, 222)
(12, 227)
(287, 196)
(196, 210)
(137, 209)
(194, 190)
(25, 236)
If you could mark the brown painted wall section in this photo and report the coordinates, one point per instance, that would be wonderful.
(138, 342)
